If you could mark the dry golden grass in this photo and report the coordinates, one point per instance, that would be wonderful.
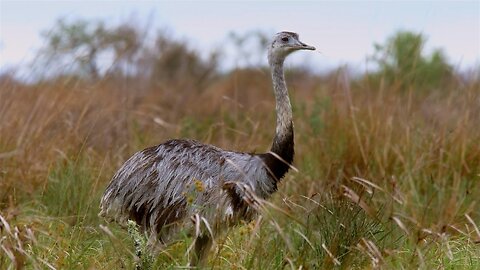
(404, 162)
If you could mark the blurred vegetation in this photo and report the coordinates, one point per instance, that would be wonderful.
(402, 62)
(81, 43)
(386, 180)
(174, 62)
(250, 47)
(76, 48)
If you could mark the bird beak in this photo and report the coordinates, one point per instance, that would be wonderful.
(304, 46)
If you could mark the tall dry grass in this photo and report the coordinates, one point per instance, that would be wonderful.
(386, 178)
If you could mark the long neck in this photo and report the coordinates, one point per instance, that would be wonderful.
(283, 145)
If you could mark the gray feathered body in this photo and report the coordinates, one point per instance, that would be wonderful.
(161, 187)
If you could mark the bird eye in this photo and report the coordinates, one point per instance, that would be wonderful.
(285, 39)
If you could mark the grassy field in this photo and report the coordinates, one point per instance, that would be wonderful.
(388, 177)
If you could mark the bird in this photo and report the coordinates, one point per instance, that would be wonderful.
(182, 183)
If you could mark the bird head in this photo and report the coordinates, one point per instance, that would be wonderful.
(283, 44)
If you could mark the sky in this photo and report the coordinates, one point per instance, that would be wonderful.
(343, 31)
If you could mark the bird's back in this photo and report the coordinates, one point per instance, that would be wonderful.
(161, 186)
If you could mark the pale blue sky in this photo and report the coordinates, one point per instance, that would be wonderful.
(344, 31)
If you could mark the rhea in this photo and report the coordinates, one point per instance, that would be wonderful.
(184, 184)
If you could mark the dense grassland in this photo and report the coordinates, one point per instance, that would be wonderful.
(388, 176)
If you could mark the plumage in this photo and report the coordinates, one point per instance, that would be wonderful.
(162, 188)
(153, 186)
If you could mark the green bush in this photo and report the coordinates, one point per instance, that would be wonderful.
(402, 62)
